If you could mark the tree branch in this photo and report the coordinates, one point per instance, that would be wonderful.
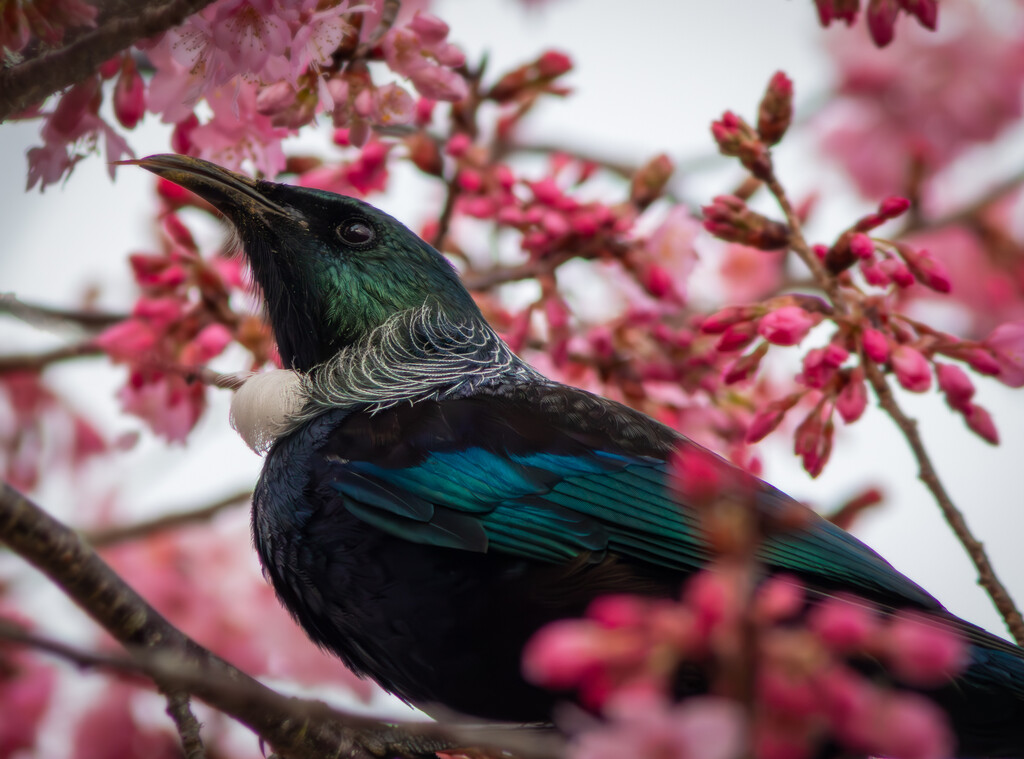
(294, 727)
(33, 362)
(32, 81)
(45, 317)
(123, 533)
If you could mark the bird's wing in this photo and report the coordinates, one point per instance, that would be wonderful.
(549, 473)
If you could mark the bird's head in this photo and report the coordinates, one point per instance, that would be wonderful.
(331, 268)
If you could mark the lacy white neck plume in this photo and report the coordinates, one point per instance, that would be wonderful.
(266, 407)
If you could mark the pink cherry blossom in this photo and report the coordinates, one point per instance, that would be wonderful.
(912, 368)
(419, 50)
(1007, 342)
(787, 325)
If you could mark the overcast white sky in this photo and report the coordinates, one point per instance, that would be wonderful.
(650, 77)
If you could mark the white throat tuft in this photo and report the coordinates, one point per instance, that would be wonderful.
(266, 407)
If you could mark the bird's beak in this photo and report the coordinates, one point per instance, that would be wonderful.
(232, 194)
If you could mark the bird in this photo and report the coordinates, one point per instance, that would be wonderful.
(428, 500)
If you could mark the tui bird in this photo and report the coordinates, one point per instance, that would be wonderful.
(429, 500)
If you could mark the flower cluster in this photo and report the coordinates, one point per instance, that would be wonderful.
(631, 652)
(182, 320)
(881, 15)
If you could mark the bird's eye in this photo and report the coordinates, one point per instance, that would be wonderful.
(356, 232)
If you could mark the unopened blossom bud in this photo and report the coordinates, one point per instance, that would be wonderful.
(745, 366)
(897, 272)
(738, 336)
(956, 385)
(853, 398)
(210, 342)
(862, 246)
(458, 144)
(981, 423)
(553, 63)
(837, 10)
(922, 651)
(874, 275)
(776, 110)
(729, 218)
(766, 421)
(720, 321)
(926, 268)
(649, 181)
(736, 138)
(787, 325)
(912, 368)
(926, 11)
(843, 625)
(1007, 345)
(129, 95)
(657, 281)
(890, 208)
(881, 18)
(876, 345)
(424, 153)
(275, 98)
(812, 441)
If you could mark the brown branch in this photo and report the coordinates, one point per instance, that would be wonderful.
(484, 280)
(33, 80)
(122, 533)
(188, 726)
(34, 362)
(45, 317)
(954, 517)
(294, 727)
(974, 548)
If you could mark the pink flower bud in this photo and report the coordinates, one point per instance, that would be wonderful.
(844, 625)
(981, 423)
(719, 321)
(862, 246)
(874, 275)
(129, 95)
(876, 345)
(912, 369)
(776, 110)
(210, 342)
(812, 441)
(926, 268)
(787, 325)
(275, 98)
(745, 366)
(129, 340)
(881, 17)
(546, 191)
(766, 421)
(924, 652)
(897, 272)
(738, 336)
(563, 653)
(657, 281)
(553, 63)
(430, 29)
(470, 180)
(957, 386)
(853, 398)
(1007, 344)
(458, 145)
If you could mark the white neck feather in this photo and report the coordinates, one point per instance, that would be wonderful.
(266, 407)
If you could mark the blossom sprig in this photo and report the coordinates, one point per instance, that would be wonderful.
(182, 320)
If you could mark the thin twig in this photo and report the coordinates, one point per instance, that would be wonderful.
(34, 362)
(33, 80)
(123, 533)
(178, 709)
(45, 317)
(929, 476)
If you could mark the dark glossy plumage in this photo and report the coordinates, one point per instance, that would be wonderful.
(438, 501)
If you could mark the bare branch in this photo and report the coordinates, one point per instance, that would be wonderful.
(33, 80)
(33, 362)
(124, 533)
(294, 727)
(47, 318)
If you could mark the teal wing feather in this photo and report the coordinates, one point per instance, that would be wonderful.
(550, 482)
